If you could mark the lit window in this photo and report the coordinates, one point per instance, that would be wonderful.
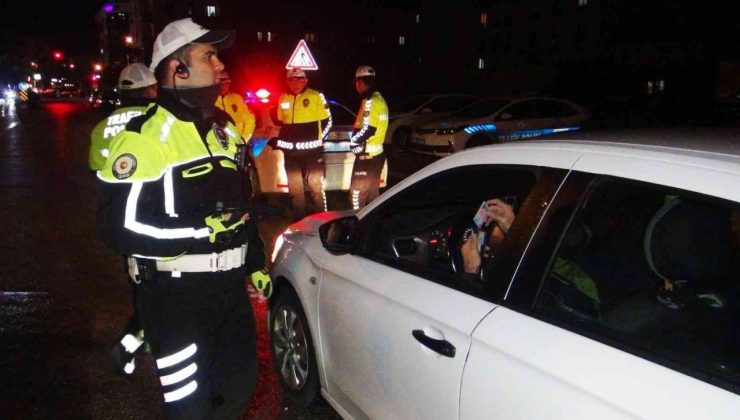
(484, 19)
(418, 18)
(210, 11)
(309, 37)
(401, 40)
(661, 85)
(481, 64)
(259, 36)
(582, 2)
(269, 36)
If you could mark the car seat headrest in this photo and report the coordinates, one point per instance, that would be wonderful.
(689, 241)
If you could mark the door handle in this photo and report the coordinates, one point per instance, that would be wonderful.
(442, 347)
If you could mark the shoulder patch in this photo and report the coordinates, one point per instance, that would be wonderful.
(124, 166)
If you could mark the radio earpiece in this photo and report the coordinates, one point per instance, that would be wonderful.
(182, 70)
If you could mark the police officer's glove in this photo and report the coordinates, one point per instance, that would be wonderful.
(357, 148)
(261, 281)
(222, 232)
(272, 142)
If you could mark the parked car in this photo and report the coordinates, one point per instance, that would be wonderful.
(419, 109)
(269, 164)
(613, 295)
(497, 120)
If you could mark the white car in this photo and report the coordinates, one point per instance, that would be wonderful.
(496, 120)
(270, 174)
(613, 295)
(419, 109)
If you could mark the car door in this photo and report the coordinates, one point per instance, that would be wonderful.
(395, 319)
(590, 327)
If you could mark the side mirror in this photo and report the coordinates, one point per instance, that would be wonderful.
(340, 236)
(425, 111)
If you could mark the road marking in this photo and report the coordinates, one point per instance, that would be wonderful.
(13, 124)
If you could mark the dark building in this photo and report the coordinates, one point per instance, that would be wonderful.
(593, 51)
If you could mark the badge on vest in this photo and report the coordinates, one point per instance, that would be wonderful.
(306, 102)
(124, 166)
(221, 136)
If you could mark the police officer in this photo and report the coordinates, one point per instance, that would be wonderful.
(233, 104)
(171, 200)
(137, 87)
(306, 121)
(366, 142)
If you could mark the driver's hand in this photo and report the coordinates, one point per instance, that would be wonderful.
(470, 254)
(502, 213)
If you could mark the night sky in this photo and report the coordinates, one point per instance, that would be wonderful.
(68, 25)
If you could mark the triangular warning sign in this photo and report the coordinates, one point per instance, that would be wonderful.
(302, 58)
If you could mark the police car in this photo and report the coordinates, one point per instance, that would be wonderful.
(269, 176)
(614, 294)
(496, 120)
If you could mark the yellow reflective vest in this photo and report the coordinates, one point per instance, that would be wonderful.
(371, 124)
(305, 117)
(104, 132)
(167, 171)
(244, 120)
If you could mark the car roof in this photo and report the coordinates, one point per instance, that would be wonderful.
(687, 140)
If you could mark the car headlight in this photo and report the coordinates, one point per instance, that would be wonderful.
(9, 94)
(451, 130)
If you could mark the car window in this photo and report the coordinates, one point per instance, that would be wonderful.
(409, 104)
(524, 110)
(449, 103)
(422, 229)
(340, 115)
(556, 109)
(482, 108)
(654, 270)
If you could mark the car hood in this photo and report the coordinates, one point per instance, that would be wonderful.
(309, 226)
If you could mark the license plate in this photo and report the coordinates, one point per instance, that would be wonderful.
(418, 140)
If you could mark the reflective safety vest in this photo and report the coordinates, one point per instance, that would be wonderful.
(244, 120)
(305, 117)
(165, 174)
(371, 124)
(104, 132)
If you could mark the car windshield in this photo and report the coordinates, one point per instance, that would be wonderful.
(482, 108)
(409, 104)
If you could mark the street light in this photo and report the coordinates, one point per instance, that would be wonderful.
(129, 40)
(98, 66)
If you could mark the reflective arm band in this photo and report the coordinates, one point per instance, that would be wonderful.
(133, 225)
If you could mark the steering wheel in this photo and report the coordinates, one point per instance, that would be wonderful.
(460, 229)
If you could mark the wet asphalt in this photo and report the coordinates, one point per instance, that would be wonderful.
(64, 297)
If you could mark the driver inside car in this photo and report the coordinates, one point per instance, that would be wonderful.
(501, 215)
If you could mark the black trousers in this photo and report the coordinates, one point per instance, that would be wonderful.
(305, 168)
(201, 330)
(365, 184)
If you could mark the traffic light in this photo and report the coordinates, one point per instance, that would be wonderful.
(57, 55)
